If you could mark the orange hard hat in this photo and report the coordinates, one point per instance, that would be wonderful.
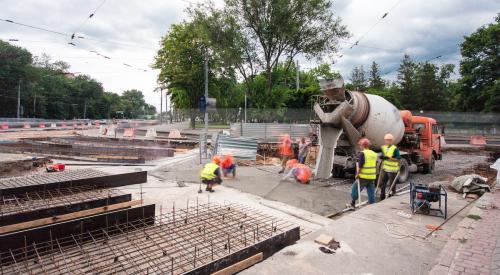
(227, 161)
(389, 136)
(364, 142)
(216, 159)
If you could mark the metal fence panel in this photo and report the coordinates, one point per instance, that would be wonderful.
(238, 147)
(270, 132)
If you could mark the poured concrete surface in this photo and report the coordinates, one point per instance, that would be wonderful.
(265, 182)
(374, 240)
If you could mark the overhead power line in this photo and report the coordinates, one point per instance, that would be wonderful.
(77, 36)
(374, 25)
(87, 19)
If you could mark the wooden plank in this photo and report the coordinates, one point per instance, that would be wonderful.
(70, 216)
(323, 239)
(239, 266)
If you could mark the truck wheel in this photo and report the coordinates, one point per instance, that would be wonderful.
(429, 167)
(404, 170)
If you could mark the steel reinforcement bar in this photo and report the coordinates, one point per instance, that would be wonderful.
(196, 240)
(48, 203)
(84, 177)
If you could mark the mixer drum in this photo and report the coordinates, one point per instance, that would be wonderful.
(383, 118)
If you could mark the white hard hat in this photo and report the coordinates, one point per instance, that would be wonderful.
(389, 136)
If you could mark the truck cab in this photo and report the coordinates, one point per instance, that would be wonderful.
(422, 142)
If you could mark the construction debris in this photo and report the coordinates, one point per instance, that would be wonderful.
(470, 184)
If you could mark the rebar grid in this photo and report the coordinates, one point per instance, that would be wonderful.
(176, 243)
(38, 179)
(30, 201)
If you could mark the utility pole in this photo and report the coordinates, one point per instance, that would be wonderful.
(298, 71)
(19, 99)
(245, 106)
(85, 110)
(206, 99)
(34, 106)
(161, 106)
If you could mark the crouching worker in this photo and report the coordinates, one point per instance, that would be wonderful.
(228, 166)
(300, 172)
(366, 172)
(210, 174)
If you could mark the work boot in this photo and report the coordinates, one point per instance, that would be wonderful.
(353, 204)
(211, 190)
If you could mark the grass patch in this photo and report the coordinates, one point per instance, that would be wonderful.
(474, 217)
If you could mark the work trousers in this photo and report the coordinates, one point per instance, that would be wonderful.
(385, 182)
(370, 189)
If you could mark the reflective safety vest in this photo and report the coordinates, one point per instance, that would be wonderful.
(208, 171)
(387, 164)
(369, 169)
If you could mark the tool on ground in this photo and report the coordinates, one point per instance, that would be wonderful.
(393, 182)
(57, 167)
(199, 190)
(421, 197)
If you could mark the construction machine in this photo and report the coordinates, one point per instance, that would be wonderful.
(346, 116)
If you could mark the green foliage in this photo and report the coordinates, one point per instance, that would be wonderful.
(376, 81)
(479, 68)
(48, 91)
(279, 30)
(358, 79)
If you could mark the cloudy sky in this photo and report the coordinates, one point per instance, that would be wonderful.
(126, 34)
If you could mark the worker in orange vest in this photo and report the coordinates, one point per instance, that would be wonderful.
(300, 172)
(286, 151)
(228, 166)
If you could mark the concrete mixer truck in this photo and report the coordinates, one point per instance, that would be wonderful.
(346, 116)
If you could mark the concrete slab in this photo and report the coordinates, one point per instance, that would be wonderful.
(374, 240)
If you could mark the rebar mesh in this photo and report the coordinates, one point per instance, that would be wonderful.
(31, 201)
(172, 243)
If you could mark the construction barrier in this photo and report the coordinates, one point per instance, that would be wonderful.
(174, 133)
(64, 125)
(26, 126)
(75, 125)
(5, 126)
(89, 124)
(41, 125)
(82, 125)
(102, 130)
(97, 123)
(477, 140)
(53, 125)
(111, 131)
(129, 133)
(151, 133)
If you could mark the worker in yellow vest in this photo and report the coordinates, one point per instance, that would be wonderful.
(390, 165)
(210, 174)
(366, 172)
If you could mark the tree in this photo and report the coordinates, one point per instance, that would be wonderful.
(479, 68)
(181, 63)
(376, 82)
(405, 80)
(358, 78)
(283, 29)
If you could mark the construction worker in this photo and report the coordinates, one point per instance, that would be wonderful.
(303, 146)
(300, 172)
(286, 151)
(366, 172)
(210, 174)
(390, 165)
(228, 166)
